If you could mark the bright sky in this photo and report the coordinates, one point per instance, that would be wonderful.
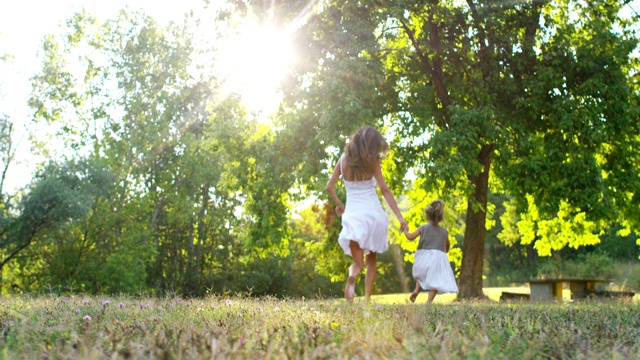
(23, 24)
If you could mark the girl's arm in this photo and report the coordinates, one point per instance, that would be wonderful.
(447, 244)
(331, 189)
(388, 196)
(412, 235)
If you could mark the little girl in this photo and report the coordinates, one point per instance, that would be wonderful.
(365, 225)
(431, 267)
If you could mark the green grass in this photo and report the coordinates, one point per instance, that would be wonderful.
(268, 328)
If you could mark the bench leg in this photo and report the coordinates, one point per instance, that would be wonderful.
(578, 289)
(541, 291)
(557, 291)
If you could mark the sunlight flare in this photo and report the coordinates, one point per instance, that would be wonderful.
(252, 62)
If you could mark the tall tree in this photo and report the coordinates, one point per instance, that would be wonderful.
(9, 207)
(200, 191)
(61, 194)
(145, 104)
(533, 97)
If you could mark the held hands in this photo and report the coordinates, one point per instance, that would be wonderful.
(404, 227)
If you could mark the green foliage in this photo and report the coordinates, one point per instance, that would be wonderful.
(619, 246)
(318, 261)
(60, 197)
(568, 228)
(514, 257)
(7, 154)
(122, 273)
(184, 192)
(267, 184)
(631, 278)
(56, 196)
(193, 193)
(323, 246)
(539, 94)
(510, 234)
(591, 265)
(10, 246)
(267, 276)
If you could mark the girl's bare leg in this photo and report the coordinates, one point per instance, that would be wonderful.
(432, 294)
(415, 292)
(354, 271)
(370, 276)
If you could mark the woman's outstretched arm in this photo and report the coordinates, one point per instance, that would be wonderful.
(331, 189)
(388, 196)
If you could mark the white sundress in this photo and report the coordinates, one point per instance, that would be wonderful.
(364, 219)
(431, 268)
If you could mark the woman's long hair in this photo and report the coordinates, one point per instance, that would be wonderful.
(361, 152)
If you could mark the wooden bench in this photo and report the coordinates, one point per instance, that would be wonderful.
(551, 289)
(611, 294)
(511, 296)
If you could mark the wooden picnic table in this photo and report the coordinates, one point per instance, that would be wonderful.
(551, 289)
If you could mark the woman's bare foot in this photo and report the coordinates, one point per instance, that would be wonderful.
(413, 296)
(349, 289)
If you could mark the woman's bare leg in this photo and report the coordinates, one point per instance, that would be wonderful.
(354, 271)
(370, 276)
(415, 292)
(432, 294)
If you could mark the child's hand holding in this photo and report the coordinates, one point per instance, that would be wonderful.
(411, 235)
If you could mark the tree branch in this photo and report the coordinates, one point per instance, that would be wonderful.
(20, 248)
(482, 37)
(436, 73)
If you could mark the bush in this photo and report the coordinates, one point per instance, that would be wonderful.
(591, 265)
(628, 275)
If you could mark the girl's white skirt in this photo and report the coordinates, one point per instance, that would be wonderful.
(432, 270)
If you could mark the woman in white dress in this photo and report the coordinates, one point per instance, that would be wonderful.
(365, 225)
(431, 267)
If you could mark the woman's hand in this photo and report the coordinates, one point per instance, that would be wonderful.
(403, 224)
(339, 210)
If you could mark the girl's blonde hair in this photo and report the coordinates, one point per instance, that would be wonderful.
(435, 211)
(362, 151)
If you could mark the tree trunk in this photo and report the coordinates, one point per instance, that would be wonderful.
(531, 254)
(202, 228)
(470, 281)
(398, 261)
(157, 279)
(190, 276)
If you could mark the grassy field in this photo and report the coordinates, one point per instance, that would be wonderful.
(232, 327)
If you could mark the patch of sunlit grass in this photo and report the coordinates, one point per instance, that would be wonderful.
(491, 293)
